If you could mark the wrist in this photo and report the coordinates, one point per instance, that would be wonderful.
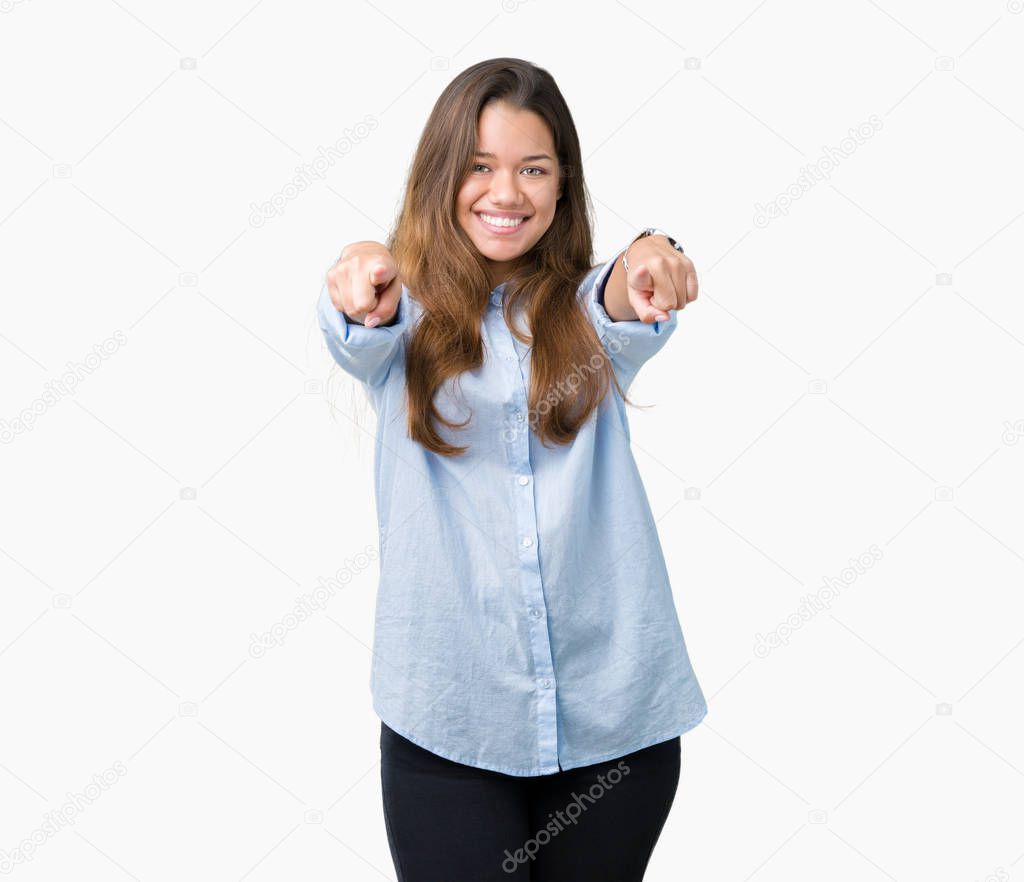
(647, 233)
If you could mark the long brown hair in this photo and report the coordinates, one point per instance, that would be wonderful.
(448, 276)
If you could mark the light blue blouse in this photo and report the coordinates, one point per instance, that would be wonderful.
(525, 621)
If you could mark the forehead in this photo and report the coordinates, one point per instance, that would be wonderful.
(512, 134)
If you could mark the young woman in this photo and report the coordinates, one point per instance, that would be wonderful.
(529, 668)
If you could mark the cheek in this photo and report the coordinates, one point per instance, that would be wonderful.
(466, 197)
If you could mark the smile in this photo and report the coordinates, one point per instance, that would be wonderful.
(501, 226)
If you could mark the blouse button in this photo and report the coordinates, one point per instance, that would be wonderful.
(523, 480)
(527, 541)
(535, 613)
(546, 684)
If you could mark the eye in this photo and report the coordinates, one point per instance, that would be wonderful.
(540, 171)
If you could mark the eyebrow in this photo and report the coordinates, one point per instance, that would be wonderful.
(535, 156)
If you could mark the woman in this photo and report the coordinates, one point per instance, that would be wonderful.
(529, 669)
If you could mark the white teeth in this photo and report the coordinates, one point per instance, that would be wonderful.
(502, 221)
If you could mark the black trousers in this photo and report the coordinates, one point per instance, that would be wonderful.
(449, 822)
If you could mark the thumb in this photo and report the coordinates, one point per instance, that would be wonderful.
(642, 282)
(640, 278)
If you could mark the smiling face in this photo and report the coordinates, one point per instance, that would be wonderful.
(508, 199)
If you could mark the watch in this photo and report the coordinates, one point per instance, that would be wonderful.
(651, 231)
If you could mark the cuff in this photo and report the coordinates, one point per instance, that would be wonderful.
(623, 329)
(334, 323)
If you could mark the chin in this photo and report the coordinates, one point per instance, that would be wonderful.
(500, 255)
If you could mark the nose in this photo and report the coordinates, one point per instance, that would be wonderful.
(505, 192)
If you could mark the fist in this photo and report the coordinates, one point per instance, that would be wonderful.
(659, 278)
(364, 284)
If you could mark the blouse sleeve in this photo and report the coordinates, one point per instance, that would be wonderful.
(629, 343)
(365, 353)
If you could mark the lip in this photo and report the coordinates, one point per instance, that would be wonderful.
(502, 231)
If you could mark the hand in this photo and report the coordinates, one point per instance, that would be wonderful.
(364, 284)
(659, 278)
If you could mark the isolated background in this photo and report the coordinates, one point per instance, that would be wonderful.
(847, 387)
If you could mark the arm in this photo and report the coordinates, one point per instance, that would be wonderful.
(365, 353)
(616, 297)
(628, 342)
(660, 277)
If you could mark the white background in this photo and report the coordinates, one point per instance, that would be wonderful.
(849, 379)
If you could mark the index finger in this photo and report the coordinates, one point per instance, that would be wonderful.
(387, 304)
